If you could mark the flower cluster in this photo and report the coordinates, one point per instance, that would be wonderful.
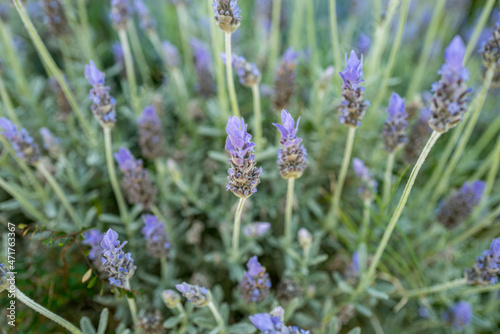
(93, 239)
(292, 158)
(120, 13)
(458, 207)
(419, 134)
(272, 323)
(459, 315)
(21, 141)
(353, 105)
(243, 175)
(171, 298)
(491, 55)
(171, 54)
(394, 131)
(157, 239)
(487, 267)
(150, 134)
(449, 102)
(255, 285)
(227, 14)
(118, 265)
(256, 230)
(151, 323)
(368, 187)
(248, 73)
(205, 84)
(103, 104)
(196, 295)
(55, 17)
(136, 184)
(145, 18)
(284, 83)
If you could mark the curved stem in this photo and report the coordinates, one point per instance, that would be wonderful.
(131, 305)
(257, 117)
(60, 193)
(129, 66)
(397, 213)
(436, 288)
(46, 313)
(229, 76)
(388, 178)
(288, 212)
(217, 317)
(236, 228)
(334, 209)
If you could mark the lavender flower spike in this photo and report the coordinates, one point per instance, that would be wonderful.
(157, 239)
(199, 296)
(171, 54)
(120, 13)
(147, 21)
(284, 83)
(243, 175)
(136, 184)
(203, 64)
(255, 285)
(487, 267)
(459, 315)
(458, 207)
(93, 239)
(272, 323)
(450, 102)
(21, 141)
(103, 104)
(248, 73)
(257, 229)
(394, 132)
(150, 134)
(227, 14)
(491, 55)
(353, 105)
(292, 158)
(368, 187)
(51, 143)
(119, 265)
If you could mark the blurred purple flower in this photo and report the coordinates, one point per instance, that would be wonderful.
(255, 285)
(150, 134)
(21, 141)
(394, 131)
(118, 265)
(196, 295)
(368, 187)
(284, 82)
(120, 13)
(103, 104)
(203, 64)
(459, 315)
(157, 239)
(146, 20)
(256, 230)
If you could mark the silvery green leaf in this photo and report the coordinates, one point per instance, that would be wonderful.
(377, 294)
(241, 328)
(86, 326)
(171, 322)
(355, 330)
(103, 321)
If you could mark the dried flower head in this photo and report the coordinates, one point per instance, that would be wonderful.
(21, 141)
(118, 265)
(136, 183)
(368, 187)
(199, 296)
(150, 134)
(171, 298)
(63, 107)
(103, 104)
(145, 18)
(305, 238)
(292, 157)
(284, 83)
(120, 13)
(487, 267)
(157, 239)
(419, 135)
(255, 285)
(459, 315)
(243, 175)
(458, 207)
(248, 73)
(55, 17)
(394, 131)
(353, 105)
(227, 14)
(151, 323)
(450, 102)
(288, 289)
(205, 84)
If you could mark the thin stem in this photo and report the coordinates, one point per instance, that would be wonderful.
(55, 71)
(217, 317)
(397, 213)
(184, 25)
(131, 304)
(435, 288)
(388, 178)
(257, 117)
(60, 193)
(492, 173)
(129, 67)
(485, 14)
(229, 76)
(236, 228)
(311, 34)
(476, 227)
(7, 102)
(366, 219)
(84, 22)
(275, 44)
(296, 27)
(288, 212)
(334, 30)
(142, 63)
(46, 313)
(164, 270)
(122, 207)
(334, 209)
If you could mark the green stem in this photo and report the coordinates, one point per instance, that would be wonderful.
(334, 30)
(217, 317)
(430, 36)
(55, 71)
(275, 34)
(485, 14)
(84, 22)
(164, 270)
(60, 193)
(435, 288)
(476, 228)
(257, 117)
(288, 211)
(366, 219)
(229, 76)
(142, 63)
(492, 174)
(464, 138)
(397, 213)
(184, 25)
(311, 35)
(334, 208)
(129, 67)
(296, 27)
(131, 304)
(46, 313)
(236, 229)
(388, 178)
(7, 102)
(122, 207)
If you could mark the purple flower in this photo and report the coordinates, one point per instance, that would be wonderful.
(353, 105)
(171, 298)
(126, 160)
(51, 143)
(255, 285)
(55, 17)
(495, 248)
(248, 73)
(487, 267)
(243, 175)
(171, 54)
(292, 157)
(256, 230)
(21, 141)
(203, 64)
(459, 315)
(364, 43)
(490, 50)
(118, 265)
(450, 102)
(150, 134)
(227, 14)
(103, 104)
(157, 239)
(120, 13)
(368, 184)
(147, 22)
(284, 83)
(268, 324)
(394, 131)
(196, 295)
(93, 239)
(305, 238)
